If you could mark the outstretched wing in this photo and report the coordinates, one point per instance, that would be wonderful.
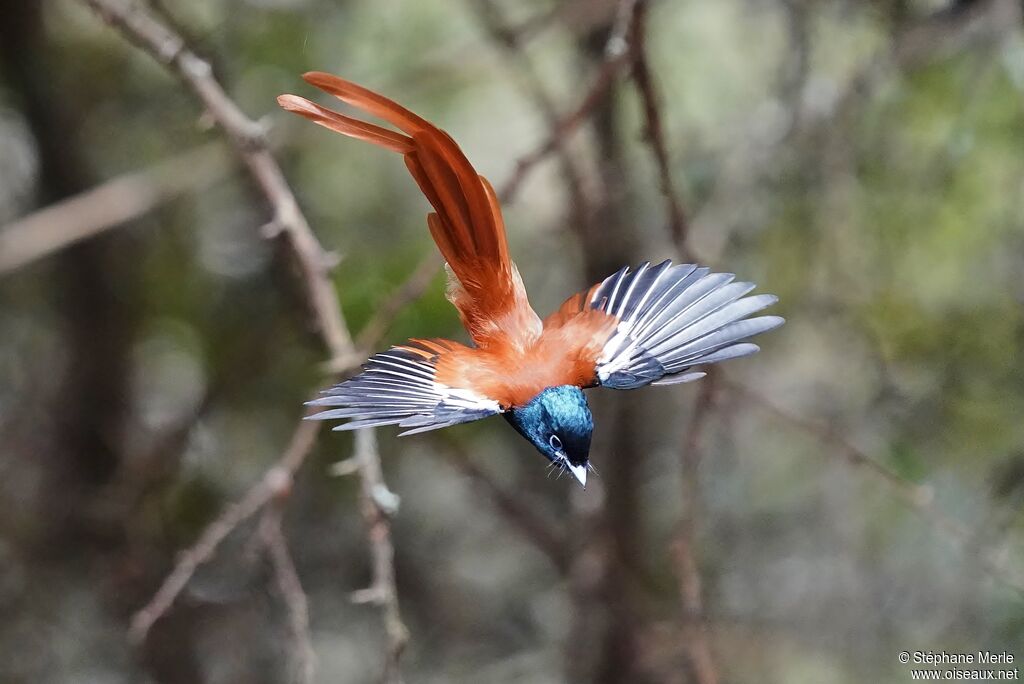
(399, 387)
(669, 320)
(466, 223)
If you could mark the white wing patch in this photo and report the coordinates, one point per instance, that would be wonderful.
(673, 318)
(397, 387)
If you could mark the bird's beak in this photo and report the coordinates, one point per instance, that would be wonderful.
(579, 472)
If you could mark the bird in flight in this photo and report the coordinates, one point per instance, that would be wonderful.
(648, 325)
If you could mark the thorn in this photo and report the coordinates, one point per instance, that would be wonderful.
(386, 499)
(374, 595)
(206, 122)
(616, 48)
(330, 259)
(279, 481)
(271, 229)
(343, 364)
(252, 135)
(343, 468)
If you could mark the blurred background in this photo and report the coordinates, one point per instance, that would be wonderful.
(802, 515)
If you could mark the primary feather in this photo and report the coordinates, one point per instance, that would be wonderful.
(672, 318)
(398, 387)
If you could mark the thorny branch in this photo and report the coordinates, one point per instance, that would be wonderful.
(288, 221)
(249, 141)
(276, 482)
(563, 127)
(290, 587)
(378, 505)
(510, 46)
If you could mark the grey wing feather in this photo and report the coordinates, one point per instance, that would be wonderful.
(673, 318)
(397, 387)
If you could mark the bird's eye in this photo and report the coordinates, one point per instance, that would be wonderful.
(555, 443)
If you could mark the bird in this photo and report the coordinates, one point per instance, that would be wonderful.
(646, 325)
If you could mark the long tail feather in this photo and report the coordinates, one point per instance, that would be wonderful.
(347, 125)
(466, 224)
(368, 101)
(461, 198)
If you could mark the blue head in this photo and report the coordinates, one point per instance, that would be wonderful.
(558, 422)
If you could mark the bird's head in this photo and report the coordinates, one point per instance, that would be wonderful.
(558, 422)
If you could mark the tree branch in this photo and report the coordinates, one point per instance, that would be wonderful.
(409, 291)
(249, 141)
(694, 631)
(275, 482)
(378, 505)
(107, 206)
(510, 504)
(250, 145)
(563, 127)
(290, 588)
(655, 134)
(510, 46)
(695, 627)
(608, 547)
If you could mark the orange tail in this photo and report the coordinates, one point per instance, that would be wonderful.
(467, 224)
